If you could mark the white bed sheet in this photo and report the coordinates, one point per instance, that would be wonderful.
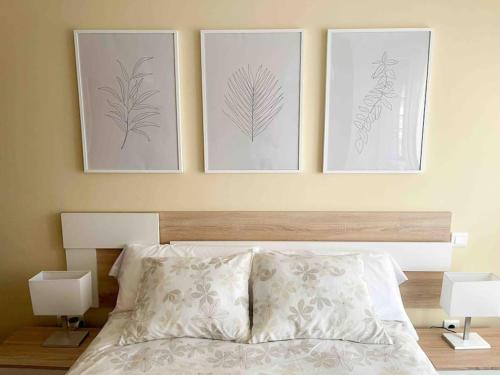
(189, 356)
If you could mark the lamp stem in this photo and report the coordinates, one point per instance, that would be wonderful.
(467, 328)
(64, 322)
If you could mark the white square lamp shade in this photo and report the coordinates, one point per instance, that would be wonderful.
(470, 294)
(62, 293)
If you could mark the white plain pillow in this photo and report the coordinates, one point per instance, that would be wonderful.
(381, 275)
(130, 266)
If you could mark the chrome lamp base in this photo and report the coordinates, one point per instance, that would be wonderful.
(457, 342)
(65, 339)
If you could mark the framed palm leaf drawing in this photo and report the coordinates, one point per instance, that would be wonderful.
(376, 89)
(128, 83)
(252, 100)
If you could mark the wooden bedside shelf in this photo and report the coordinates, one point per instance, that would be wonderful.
(23, 349)
(445, 358)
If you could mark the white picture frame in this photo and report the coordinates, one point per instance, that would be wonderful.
(339, 151)
(232, 60)
(102, 51)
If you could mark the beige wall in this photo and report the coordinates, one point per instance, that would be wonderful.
(40, 145)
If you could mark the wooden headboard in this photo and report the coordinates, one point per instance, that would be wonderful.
(421, 290)
(305, 226)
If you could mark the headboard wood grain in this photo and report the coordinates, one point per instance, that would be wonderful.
(422, 290)
(304, 226)
(108, 286)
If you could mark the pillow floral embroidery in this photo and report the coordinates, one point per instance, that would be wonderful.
(322, 297)
(191, 297)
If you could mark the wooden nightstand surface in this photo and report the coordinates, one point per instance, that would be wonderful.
(444, 357)
(24, 349)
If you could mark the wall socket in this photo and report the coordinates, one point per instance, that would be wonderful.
(451, 324)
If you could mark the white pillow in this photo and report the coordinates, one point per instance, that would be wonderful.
(313, 296)
(130, 267)
(191, 297)
(383, 286)
(381, 275)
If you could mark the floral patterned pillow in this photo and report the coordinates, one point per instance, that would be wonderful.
(191, 297)
(323, 297)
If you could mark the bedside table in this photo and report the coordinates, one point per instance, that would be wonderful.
(22, 352)
(461, 362)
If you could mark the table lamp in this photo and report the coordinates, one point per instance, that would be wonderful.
(470, 294)
(62, 293)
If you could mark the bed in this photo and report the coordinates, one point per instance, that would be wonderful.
(405, 234)
(201, 356)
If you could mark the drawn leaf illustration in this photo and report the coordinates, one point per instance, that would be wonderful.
(145, 124)
(145, 96)
(117, 121)
(131, 111)
(111, 91)
(144, 115)
(376, 99)
(122, 88)
(146, 106)
(138, 64)
(143, 133)
(135, 88)
(253, 100)
(120, 115)
(124, 71)
(141, 75)
(117, 108)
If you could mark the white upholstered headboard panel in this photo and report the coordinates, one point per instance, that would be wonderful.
(83, 233)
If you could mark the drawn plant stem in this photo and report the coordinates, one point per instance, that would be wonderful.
(253, 100)
(130, 112)
(376, 99)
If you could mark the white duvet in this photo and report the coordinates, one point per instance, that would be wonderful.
(210, 357)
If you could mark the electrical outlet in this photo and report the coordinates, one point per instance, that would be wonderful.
(460, 239)
(451, 324)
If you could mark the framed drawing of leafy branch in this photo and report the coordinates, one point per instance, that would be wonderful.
(128, 84)
(252, 83)
(376, 90)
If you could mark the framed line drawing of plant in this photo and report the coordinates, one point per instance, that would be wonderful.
(376, 95)
(252, 84)
(128, 85)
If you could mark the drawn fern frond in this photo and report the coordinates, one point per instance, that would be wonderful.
(375, 100)
(253, 100)
(131, 109)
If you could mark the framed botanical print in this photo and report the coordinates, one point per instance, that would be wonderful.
(128, 84)
(376, 89)
(252, 84)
